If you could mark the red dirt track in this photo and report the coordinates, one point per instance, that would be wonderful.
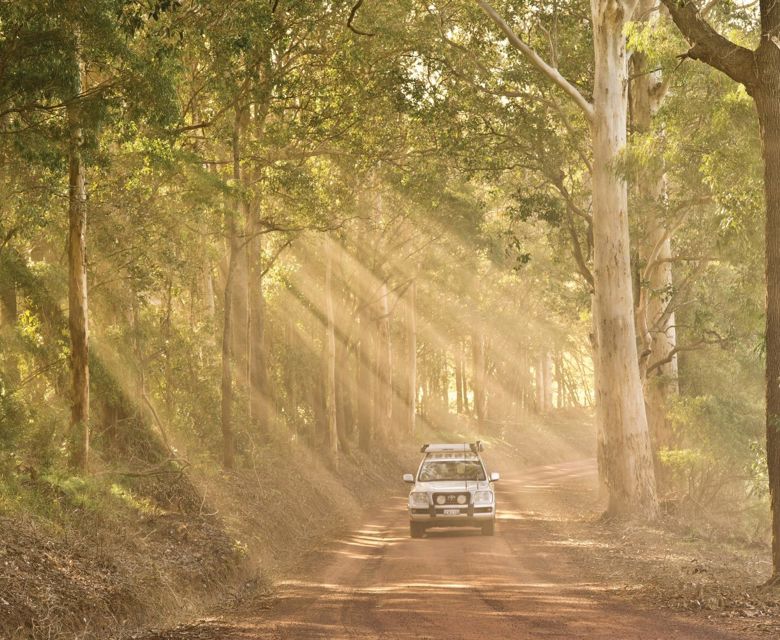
(526, 582)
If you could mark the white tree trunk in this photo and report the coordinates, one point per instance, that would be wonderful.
(330, 381)
(547, 366)
(412, 358)
(624, 442)
(479, 375)
(657, 333)
(384, 367)
(539, 375)
(78, 306)
(661, 383)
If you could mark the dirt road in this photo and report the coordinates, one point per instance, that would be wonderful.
(526, 582)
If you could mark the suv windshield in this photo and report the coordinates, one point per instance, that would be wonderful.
(433, 470)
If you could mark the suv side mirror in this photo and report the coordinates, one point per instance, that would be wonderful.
(408, 477)
(495, 476)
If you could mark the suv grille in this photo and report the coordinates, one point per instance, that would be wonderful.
(451, 499)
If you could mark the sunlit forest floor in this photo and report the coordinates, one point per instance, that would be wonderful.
(684, 569)
(94, 563)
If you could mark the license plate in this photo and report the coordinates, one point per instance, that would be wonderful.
(452, 512)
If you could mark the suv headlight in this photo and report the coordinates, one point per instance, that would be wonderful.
(418, 499)
(483, 497)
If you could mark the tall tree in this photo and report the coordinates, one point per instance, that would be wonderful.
(330, 353)
(411, 357)
(654, 318)
(625, 452)
(758, 71)
(384, 365)
(78, 318)
(479, 373)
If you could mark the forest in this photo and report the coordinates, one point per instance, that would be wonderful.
(253, 253)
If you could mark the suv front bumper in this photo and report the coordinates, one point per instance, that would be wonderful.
(471, 516)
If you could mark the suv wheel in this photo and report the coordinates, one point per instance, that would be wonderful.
(489, 529)
(416, 529)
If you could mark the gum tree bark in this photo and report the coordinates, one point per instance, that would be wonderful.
(364, 384)
(234, 250)
(411, 345)
(384, 367)
(78, 305)
(226, 414)
(655, 324)
(659, 359)
(759, 71)
(261, 408)
(330, 355)
(8, 317)
(539, 377)
(625, 456)
(547, 367)
(257, 370)
(459, 365)
(478, 373)
(364, 377)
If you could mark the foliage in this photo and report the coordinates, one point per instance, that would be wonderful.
(256, 134)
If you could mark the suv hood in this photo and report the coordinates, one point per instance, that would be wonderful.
(452, 485)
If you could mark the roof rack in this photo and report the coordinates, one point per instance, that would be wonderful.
(475, 447)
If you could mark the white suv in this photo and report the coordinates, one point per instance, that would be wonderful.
(451, 489)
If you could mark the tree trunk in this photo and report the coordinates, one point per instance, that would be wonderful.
(384, 367)
(524, 377)
(167, 341)
(364, 375)
(208, 290)
(227, 356)
(228, 339)
(140, 378)
(292, 380)
(411, 345)
(768, 106)
(661, 383)
(459, 377)
(624, 441)
(344, 394)
(539, 375)
(478, 362)
(444, 382)
(547, 374)
(259, 392)
(465, 382)
(656, 327)
(560, 381)
(78, 319)
(8, 318)
(317, 399)
(330, 355)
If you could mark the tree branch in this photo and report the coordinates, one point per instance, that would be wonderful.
(352, 15)
(577, 249)
(8, 237)
(708, 46)
(551, 72)
(553, 103)
(704, 342)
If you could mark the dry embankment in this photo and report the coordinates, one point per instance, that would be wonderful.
(91, 559)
